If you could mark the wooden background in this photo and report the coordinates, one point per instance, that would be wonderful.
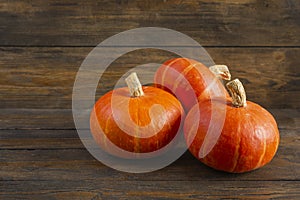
(42, 45)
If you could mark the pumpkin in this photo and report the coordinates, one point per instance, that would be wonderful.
(248, 138)
(136, 119)
(191, 81)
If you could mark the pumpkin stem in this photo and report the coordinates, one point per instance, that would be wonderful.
(134, 85)
(237, 92)
(221, 71)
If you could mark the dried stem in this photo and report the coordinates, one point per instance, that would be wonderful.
(221, 71)
(134, 85)
(237, 92)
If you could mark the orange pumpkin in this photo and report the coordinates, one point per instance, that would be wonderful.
(191, 81)
(135, 119)
(249, 137)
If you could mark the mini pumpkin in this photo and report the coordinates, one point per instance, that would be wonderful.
(249, 135)
(135, 119)
(191, 81)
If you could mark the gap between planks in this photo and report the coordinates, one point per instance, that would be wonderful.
(126, 46)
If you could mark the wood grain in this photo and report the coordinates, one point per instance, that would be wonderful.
(89, 189)
(44, 77)
(44, 155)
(36, 119)
(217, 23)
(42, 45)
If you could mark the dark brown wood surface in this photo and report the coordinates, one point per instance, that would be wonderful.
(42, 45)
(30, 77)
(214, 23)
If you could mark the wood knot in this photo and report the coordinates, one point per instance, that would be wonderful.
(279, 56)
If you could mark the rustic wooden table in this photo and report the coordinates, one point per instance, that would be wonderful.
(42, 45)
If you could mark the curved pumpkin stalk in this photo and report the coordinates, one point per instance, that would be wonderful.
(221, 71)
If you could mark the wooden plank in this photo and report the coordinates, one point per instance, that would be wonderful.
(99, 189)
(217, 23)
(31, 139)
(36, 119)
(65, 165)
(44, 155)
(44, 77)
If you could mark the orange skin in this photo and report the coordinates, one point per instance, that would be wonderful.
(249, 138)
(139, 108)
(203, 83)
